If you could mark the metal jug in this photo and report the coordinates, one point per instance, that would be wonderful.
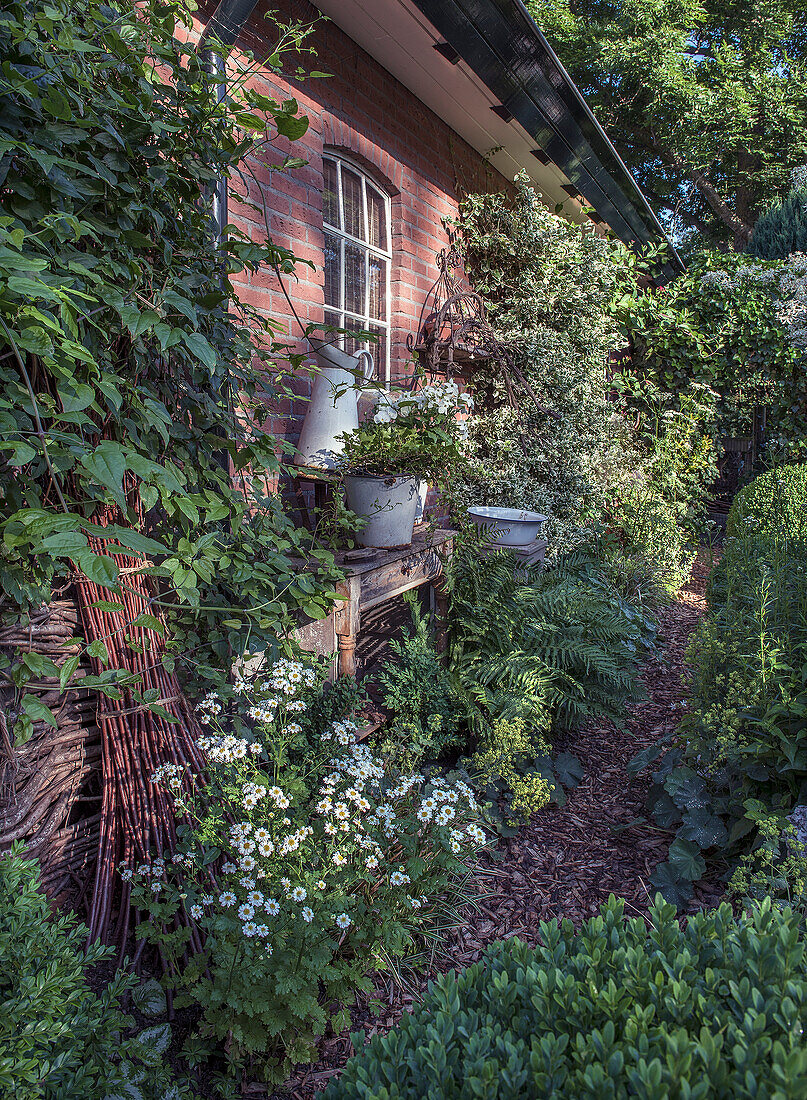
(333, 408)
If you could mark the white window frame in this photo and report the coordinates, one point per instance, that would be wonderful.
(348, 319)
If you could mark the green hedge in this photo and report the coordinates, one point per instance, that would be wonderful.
(713, 1010)
(776, 501)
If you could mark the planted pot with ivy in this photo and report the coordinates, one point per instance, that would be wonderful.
(411, 439)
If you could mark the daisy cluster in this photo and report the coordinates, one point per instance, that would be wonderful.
(314, 847)
(224, 748)
(209, 708)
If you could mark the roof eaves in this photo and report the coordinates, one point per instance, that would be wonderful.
(501, 43)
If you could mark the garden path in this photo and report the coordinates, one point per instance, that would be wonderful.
(568, 860)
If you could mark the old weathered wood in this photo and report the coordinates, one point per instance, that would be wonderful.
(389, 574)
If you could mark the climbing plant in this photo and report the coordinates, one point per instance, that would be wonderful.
(135, 387)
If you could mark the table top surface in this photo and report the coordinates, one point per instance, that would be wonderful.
(422, 541)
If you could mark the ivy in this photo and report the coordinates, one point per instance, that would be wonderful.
(133, 384)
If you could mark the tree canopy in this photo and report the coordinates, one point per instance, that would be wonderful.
(707, 103)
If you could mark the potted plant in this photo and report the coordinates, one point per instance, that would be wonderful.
(410, 437)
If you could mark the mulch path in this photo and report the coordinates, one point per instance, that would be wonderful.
(568, 860)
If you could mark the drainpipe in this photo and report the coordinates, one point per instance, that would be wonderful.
(223, 27)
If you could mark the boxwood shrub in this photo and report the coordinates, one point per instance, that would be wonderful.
(58, 1038)
(712, 1009)
(774, 502)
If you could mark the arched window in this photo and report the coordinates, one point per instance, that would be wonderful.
(356, 213)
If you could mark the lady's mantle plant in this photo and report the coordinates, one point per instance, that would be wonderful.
(421, 433)
(307, 863)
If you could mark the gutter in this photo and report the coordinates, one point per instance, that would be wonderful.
(501, 44)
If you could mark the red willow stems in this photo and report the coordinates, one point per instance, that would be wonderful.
(137, 820)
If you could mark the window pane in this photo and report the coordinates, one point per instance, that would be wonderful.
(379, 351)
(336, 340)
(330, 195)
(332, 268)
(352, 199)
(377, 305)
(377, 218)
(355, 278)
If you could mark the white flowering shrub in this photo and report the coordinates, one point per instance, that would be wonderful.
(306, 863)
(737, 326)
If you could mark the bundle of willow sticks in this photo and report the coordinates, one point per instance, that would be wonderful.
(137, 821)
(81, 795)
(50, 785)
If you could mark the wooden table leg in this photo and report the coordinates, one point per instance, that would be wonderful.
(346, 625)
(347, 654)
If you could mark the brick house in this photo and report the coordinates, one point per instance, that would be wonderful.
(428, 100)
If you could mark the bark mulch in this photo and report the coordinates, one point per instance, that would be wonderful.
(568, 860)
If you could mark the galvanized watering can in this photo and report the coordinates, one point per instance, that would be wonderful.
(333, 408)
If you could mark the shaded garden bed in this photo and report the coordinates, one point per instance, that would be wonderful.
(568, 860)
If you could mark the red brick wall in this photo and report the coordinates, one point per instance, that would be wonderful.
(364, 112)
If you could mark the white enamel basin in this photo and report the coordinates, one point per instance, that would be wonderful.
(508, 526)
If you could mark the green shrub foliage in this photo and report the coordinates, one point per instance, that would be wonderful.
(710, 1011)
(782, 229)
(416, 688)
(733, 326)
(556, 647)
(741, 748)
(58, 1038)
(775, 502)
(122, 356)
(548, 286)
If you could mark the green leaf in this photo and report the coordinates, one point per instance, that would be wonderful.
(99, 568)
(687, 789)
(67, 670)
(704, 829)
(66, 544)
(107, 464)
(148, 622)
(153, 1042)
(37, 711)
(40, 665)
(197, 344)
(21, 453)
(98, 649)
(645, 758)
(686, 858)
(76, 398)
(568, 769)
(130, 538)
(670, 884)
(149, 998)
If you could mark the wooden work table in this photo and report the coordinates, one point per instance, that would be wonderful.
(386, 574)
